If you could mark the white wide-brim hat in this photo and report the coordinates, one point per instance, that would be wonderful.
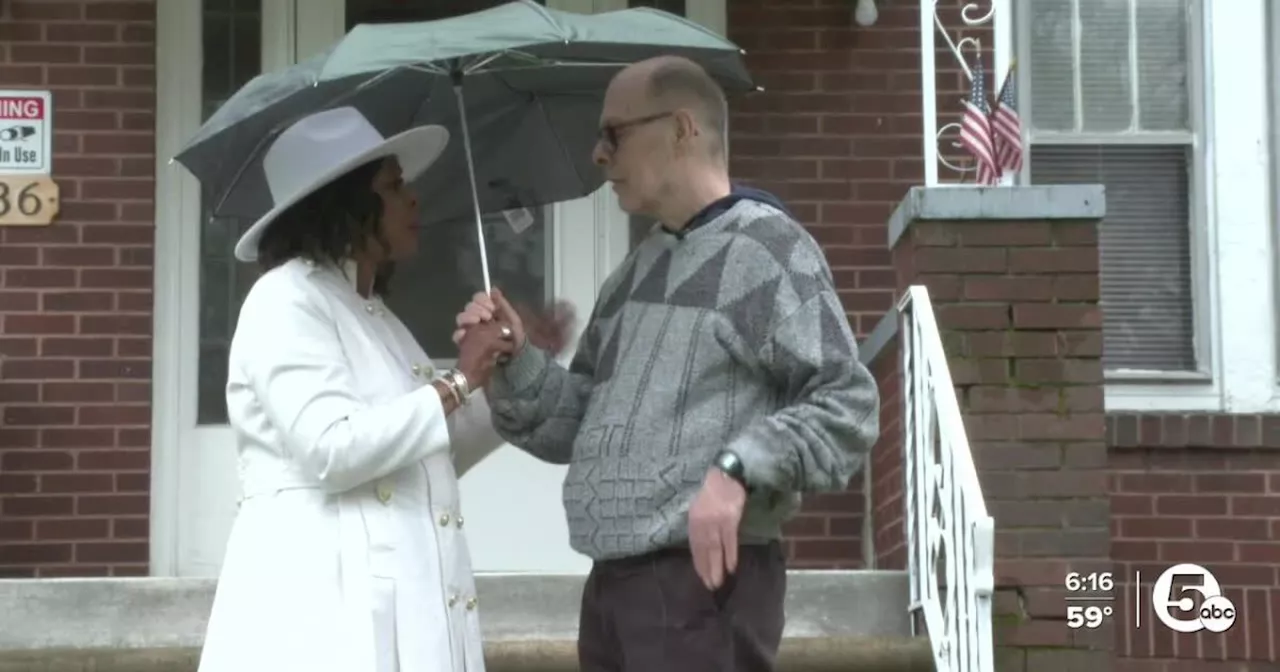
(324, 146)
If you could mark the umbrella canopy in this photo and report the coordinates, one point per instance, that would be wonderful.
(520, 83)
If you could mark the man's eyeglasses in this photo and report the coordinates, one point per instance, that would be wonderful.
(610, 133)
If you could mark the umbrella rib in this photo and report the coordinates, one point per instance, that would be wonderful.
(555, 64)
(483, 62)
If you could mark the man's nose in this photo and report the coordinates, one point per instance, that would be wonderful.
(599, 155)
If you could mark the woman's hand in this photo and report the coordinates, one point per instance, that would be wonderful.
(550, 330)
(479, 349)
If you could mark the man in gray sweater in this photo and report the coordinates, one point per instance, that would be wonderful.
(716, 381)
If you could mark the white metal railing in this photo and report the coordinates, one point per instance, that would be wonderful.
(950, 536)
(974, 15)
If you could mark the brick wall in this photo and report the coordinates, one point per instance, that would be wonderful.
(1203, 489)
(75, 303)
(836, 134)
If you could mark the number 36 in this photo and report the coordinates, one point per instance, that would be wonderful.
(27, 202)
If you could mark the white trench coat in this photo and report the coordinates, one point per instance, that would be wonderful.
(348, 553)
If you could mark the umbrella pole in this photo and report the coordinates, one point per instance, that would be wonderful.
(471, 175)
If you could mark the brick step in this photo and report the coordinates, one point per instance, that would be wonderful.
(836, 621)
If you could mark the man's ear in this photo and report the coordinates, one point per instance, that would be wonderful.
(686, 127)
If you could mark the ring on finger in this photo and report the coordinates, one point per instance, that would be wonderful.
(506, 331)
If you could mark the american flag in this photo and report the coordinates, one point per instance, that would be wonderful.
(1006, 127)
(975, 128)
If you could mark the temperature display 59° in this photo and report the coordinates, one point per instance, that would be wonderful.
(1090, 616)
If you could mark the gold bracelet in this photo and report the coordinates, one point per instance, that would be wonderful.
(461, 388)
(453, 392)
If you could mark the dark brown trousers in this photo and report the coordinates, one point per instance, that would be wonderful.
(652, 613)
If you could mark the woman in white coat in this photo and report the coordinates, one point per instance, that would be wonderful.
(348, 552)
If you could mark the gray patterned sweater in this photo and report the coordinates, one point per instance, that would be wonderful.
(729, 335)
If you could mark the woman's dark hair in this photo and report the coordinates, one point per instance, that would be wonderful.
(329, 225)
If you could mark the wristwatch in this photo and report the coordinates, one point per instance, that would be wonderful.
(732, 466)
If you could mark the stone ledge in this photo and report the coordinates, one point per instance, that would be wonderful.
(141, 625)
(1052, 201)
(825, 654)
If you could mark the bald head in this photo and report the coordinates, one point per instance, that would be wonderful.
(671, 82)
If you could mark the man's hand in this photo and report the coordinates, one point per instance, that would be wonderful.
(713, 527)
(551, 329)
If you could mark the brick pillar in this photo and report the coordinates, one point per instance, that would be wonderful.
(1013, 276)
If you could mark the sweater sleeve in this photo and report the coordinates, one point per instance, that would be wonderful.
(828, 418)
(288, 350)
(537, 404)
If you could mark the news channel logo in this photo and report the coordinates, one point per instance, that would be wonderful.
(1179, 613)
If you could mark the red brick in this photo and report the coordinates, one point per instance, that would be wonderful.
(99, 505)
(42, 10)
(73, 528)
(44, 53)
(75, 483)
(111, 552)
(1061, 316)
(34, 460)
(28, 554)
(1234, 483)
(1053, 261)
(38, 416)
(37, 506)
(1179, 505)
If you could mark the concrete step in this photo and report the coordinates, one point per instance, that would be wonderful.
(836, 621)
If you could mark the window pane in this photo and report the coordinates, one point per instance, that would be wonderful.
(429, 290)
(232, 43)
(1052, 54)
(1105, 69)
(1145, 247)
(1162, 65)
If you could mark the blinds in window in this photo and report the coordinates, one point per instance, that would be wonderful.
(1145, 247)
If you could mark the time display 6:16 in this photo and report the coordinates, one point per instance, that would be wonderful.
(1092, 581)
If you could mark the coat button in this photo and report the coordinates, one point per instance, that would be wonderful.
(471, 604)
(368, 308)
(384, 493)
(444, 520)
(417, 369)
(459, 521)
(453, 600)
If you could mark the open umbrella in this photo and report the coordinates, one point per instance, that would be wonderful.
(520, 85)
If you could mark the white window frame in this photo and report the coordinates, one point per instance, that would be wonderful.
(1273, 120)
(1231, 216)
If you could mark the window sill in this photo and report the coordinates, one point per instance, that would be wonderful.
(1183, 394)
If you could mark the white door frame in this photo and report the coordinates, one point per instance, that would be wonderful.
(176, 439)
